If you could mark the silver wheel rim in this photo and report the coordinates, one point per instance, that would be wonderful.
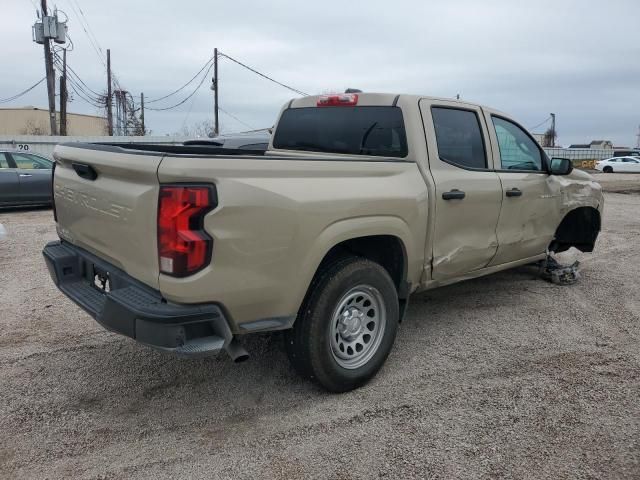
(357, 326)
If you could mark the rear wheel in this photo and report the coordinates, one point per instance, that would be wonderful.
(347, 325)
(607, 169)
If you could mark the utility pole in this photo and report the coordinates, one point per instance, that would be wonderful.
(216, 128)
(51, 78)
(123, 96)
(144, 132)
(63, 95)
(553, 129)
(109, 93)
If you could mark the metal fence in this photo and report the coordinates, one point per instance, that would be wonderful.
(581, 157)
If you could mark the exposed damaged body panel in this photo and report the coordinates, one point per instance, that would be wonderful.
(582, 205)
(579, 229)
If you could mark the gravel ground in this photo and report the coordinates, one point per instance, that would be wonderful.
(506, 376)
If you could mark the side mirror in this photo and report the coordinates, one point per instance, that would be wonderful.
(561, 166)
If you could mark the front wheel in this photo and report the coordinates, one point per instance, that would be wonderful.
(607, 169)
(347, 325)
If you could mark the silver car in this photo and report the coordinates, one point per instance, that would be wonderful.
(25, 179)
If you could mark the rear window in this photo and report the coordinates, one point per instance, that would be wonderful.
(376, 131)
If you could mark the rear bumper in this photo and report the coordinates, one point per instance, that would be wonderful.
(131, 308)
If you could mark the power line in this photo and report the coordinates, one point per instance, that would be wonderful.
(188, 97)
(91, 97)
(89, 26)
(235, 118)
(186, 117)
(541, 123)
(93, 40)
(183, 86)
(98, 102)
(84, 28)
(81, 93)
(77, 90)
(18, 95)
(77, 77)
(208, 65)
(299, 92)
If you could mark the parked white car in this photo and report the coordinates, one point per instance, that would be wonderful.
(619, 164)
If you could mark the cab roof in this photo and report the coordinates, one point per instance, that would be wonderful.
(379, 99)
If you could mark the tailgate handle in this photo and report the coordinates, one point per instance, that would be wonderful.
(85, 171)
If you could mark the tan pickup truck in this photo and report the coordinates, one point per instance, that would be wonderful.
(360, 200)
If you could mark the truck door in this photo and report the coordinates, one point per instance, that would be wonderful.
(530, 211)
(468, 194)
(9, 183)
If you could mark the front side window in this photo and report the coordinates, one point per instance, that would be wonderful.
(31, 162)
(517, 150)
(459, 137)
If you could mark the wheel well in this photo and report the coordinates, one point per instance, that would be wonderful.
(386, 250)
(579, 228)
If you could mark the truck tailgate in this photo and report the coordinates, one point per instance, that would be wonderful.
(113, 215)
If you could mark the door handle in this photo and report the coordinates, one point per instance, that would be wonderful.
(454, 194)
(514, 192)
(26, 175)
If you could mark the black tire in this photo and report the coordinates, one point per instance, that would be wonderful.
(607, 169)
(309, 344)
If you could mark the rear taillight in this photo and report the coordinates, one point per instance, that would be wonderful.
(341, 99)
(53, 193)
(183, 245)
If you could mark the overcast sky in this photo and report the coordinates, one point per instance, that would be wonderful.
(525, 58)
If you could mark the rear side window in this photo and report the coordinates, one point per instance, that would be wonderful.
(376, 131)
(31, 162)
(459, 137)
(4, 163)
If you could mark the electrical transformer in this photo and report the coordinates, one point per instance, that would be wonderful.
(51, 28)
(61, 33)
(37, 32)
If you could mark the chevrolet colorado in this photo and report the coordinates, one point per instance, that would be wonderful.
(360, 200)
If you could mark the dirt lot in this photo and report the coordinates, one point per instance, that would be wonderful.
(506, 376)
